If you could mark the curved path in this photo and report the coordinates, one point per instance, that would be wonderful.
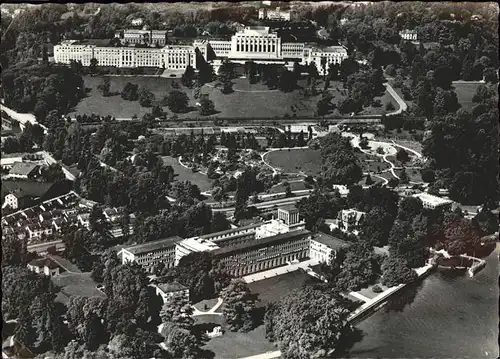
(212, 310)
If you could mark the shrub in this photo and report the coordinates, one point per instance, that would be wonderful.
(376, 289)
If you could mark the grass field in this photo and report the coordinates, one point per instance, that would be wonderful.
(274, 289)
(291, 161)
(238, 345)
(246, 101)
(465, 92)
(372, 164)
(294, 186)
(75, 285)
(184, 174)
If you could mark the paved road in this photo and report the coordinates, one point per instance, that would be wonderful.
(402, 105)
(212, 310)
(42, 247)
(266, 355)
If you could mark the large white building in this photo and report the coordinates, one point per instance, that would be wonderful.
(172, 57)
(410, 35)
(257, 44)
(277, 14)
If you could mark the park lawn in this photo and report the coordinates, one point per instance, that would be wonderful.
(266, 103)
(185, 174)
(373, 164)
(293, 161)
(209, 302)
(465, 92)
(79, 284)
(238, 345)
(115, 105)
(375, 180)
(275, 288)
(414, 175)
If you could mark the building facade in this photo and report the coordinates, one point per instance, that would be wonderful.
(150, 254)
(410, 35)
(323, 247)
(169, 290)
(430, 201)
(44, 266)
(257, 44)
(171, 57)
(265, 253)
(276, 14)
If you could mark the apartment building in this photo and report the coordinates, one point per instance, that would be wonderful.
(150, 254)
(430, 201)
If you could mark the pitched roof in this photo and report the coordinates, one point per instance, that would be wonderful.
(152, 246)
(23, 168)
(26, 188)
(44, 262)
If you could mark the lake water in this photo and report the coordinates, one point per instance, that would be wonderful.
(447, 315)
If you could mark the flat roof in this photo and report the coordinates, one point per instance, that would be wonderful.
(171, 287)
(432, 199)
(261, 242)
(153, 246)
(331, 242)
(198, 244)
(232, 230)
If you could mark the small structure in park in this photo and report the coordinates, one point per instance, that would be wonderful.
(216, 332)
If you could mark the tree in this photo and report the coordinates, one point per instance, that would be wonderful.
(53, 173)
(206, 106)
(428, 176)
(98, 222)
(177, 101)
(402, 155)
(323, 106)
(288, 190)
(369, 180)
(182, 344)
(130, 92)
(403, 177)
(146, 97)
(445, 102)
(287, 81)
(178, 310)
(104, 87)
(84, 317)
(239, 306)
(93, 65)
(396, 271)
(188, 76)
(376, 226)
(340, 164)
(14, 251)
(219, 222)
(309, 323)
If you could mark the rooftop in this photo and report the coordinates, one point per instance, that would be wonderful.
(23, 168)
(331, 242)
(262, 242)
(25, 188)
(171, 287)
(198, 244)
(434, 200)
(153, 246)
(44, 262)
(229, 231)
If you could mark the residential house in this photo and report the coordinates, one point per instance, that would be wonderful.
(44, 266)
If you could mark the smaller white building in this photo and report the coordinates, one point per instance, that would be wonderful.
(288, 221)
(430, 201)
(137, 22)
(277, 14)
(44, 266)
(172, 289)
(11, 201)
(410, 35)
(324, 247)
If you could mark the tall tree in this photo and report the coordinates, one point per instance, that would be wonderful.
(239, 306)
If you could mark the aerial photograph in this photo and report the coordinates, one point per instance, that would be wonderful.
(250, 180)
